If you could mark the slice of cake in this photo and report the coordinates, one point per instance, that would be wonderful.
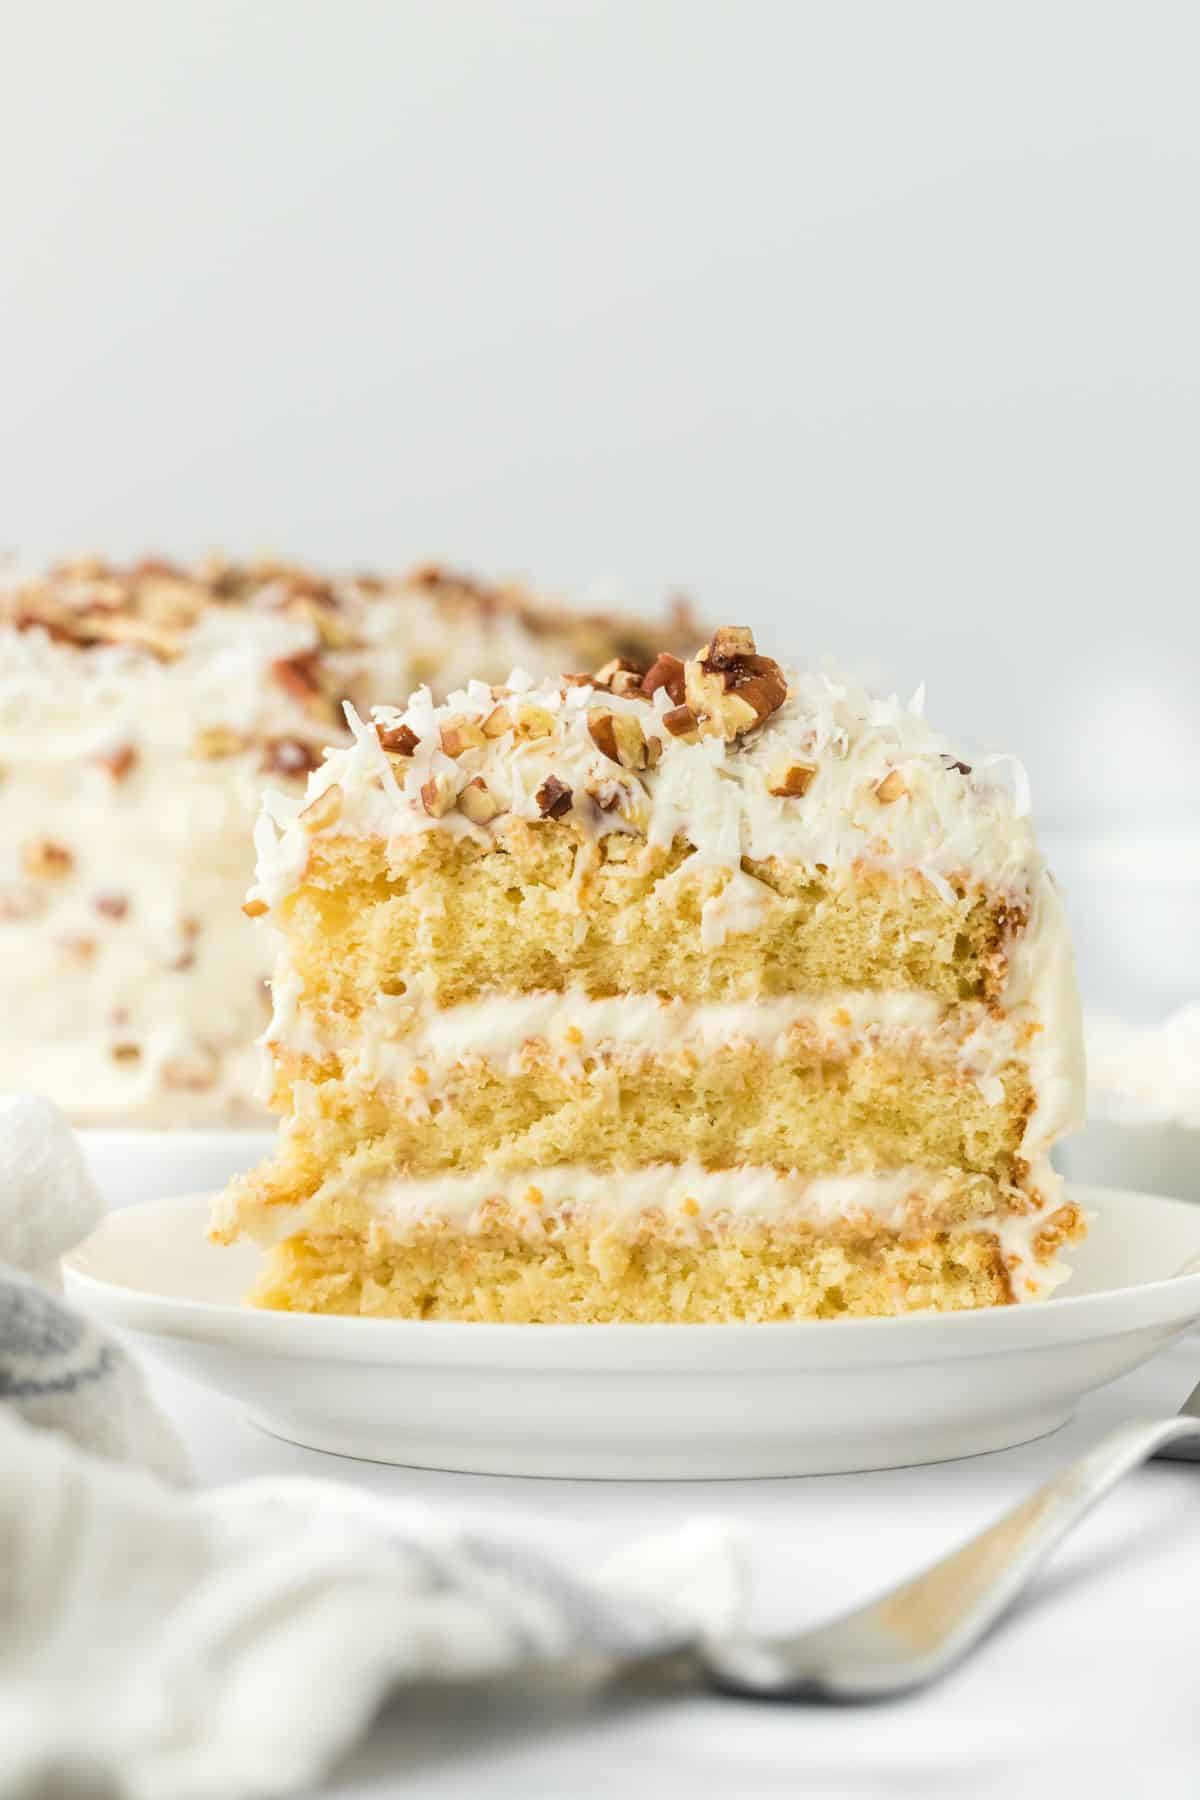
(680, 992)
(142, 711)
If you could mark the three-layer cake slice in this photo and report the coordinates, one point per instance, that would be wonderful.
(704, 991)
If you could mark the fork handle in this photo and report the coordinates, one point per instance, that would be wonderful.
(914, 1633)
(982, 1579)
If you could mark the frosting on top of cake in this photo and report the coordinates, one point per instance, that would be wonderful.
(831, 775)
(438, 623)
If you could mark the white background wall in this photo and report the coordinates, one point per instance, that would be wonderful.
(877, 325)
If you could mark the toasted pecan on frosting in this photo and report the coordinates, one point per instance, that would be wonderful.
(730, 689)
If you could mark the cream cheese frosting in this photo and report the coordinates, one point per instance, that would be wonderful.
(398, 1031)
(685, 1195)
(398, 1035)
(952, 820)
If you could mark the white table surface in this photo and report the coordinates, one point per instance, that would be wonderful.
(1093, 1685)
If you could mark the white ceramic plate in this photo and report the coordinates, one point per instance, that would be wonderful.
(628, 1401)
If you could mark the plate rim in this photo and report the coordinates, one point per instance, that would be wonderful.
(916, 1338)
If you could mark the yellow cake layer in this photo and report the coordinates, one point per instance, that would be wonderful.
(533, 911)
(864, 1113)
(753, 1273)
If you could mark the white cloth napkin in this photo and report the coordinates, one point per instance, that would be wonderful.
(161, 1644)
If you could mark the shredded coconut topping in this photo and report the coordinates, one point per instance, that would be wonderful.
(869, 782)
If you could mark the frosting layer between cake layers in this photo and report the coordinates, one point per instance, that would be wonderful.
(677, 1202)
(407, 1041)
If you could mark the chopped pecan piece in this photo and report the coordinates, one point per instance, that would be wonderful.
(437, 796)
(952, 762)
(478, 802)
(47, 859)
(290, 756)
(619, 736)
(719, 713)
(397, 740)
(729, 644)
(325, 810)
(113, 906)
(666, 671)
(619, 676)
(610, 796)
(553, 798)
(791, 780)
(216, 741)
(119, 761)
(498, 721)
(301, 585)
(140, 633)
(320, 611)
(602, 732)
(300, 677)
(532, 721)
(682, 722)
(892, 787)
(729, 688)
(436, 579)
(459, 733)
(169, 602)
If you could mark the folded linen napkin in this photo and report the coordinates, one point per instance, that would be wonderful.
(161, 1644)
(57, 1370)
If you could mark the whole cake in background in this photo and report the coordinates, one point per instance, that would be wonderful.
(704, 991)
(1143, 1105)
(142, 712)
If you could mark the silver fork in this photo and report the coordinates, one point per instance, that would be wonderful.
(913, 1634)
